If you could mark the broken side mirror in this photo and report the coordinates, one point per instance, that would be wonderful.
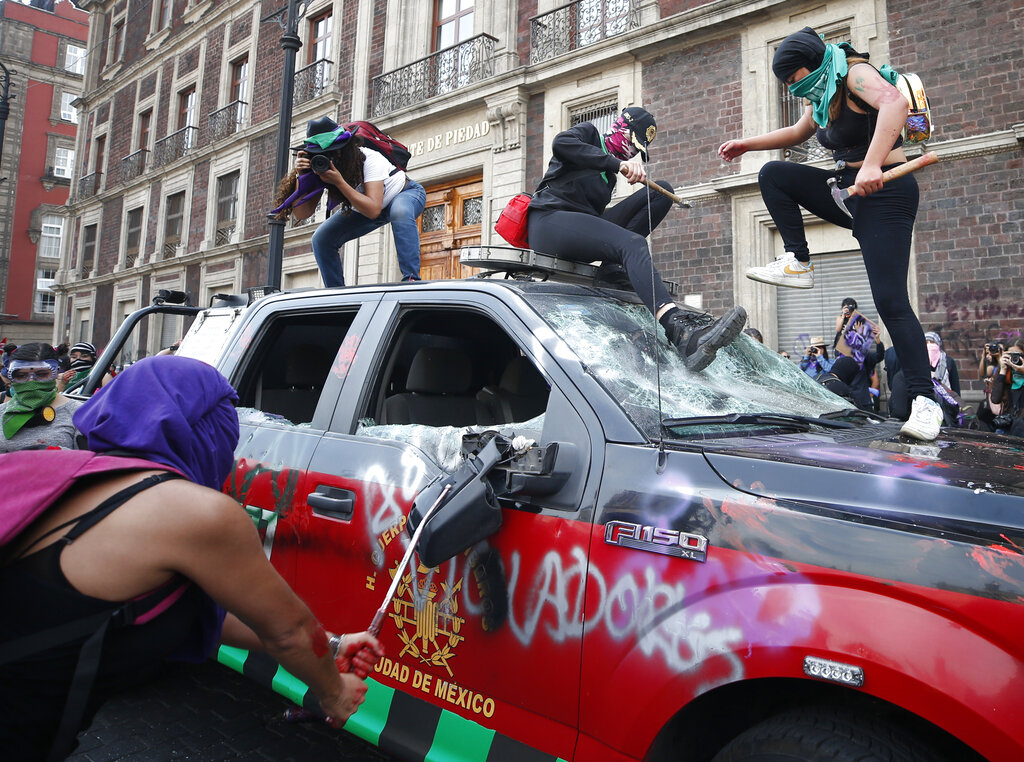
(539, 471)
(470, 512)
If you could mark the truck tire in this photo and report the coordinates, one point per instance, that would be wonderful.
(817, 735)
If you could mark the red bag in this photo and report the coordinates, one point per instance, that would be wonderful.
(511, 224)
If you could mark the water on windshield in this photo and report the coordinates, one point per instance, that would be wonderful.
(614, 339)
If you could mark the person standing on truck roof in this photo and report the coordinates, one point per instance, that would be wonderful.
(568, 218)
(858, 114)
(371, 191)
(179, 544)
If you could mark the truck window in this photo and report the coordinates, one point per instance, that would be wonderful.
(448, 372)
(290, 363)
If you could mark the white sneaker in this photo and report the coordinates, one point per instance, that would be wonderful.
(786, 271)
(925, 420)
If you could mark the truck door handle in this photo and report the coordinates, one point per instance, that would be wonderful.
(332, 502)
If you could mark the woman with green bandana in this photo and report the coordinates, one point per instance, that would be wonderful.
(854, 110)
(36, 415)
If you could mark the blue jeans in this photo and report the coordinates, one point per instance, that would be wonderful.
(340, 228)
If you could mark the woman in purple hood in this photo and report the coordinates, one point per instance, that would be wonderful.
(151, 527)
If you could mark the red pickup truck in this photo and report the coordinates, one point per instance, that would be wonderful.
(726, 565)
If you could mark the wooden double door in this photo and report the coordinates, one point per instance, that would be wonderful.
(453, 218)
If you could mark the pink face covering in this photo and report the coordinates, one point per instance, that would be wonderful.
(618, 141)
(934, 353)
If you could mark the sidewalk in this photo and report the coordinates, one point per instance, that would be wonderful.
(206, 713)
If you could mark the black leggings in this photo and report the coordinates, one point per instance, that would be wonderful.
(616, 236)
(883, 224)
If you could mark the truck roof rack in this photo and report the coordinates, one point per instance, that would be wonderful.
(526, 264)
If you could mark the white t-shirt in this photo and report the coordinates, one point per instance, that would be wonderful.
(376, 167)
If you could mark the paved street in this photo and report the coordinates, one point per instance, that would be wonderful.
(208, 712)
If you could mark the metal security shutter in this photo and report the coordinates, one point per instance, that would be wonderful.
(803, 314)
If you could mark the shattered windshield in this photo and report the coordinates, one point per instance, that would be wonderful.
(614, 340)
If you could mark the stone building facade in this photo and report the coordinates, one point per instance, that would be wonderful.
(176, 158)
(42, 45)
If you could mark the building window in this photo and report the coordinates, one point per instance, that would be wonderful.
(163, 14)
(239, 78)
(45, 298)
(63, 162)
(174, 218)
(133, 235)
(50, 236)
(454, 22)
(320, 37)
(145, 126)
(601, 114)
(227, 206)
(187, 107)
(74, 59)
(100, 153)
(67, 111)
(117, 40)
(88, 247)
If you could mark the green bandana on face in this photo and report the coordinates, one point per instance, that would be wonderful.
(1017, 381)
(820, 85)
(26, 400)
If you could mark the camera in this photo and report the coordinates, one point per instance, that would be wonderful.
(320, 163)
(1015, 357)
(992, 348)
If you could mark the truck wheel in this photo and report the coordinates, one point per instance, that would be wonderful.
(817, 735)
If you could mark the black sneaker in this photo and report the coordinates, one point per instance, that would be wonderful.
(611, 275)
(698, 336)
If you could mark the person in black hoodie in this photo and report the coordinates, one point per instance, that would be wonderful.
(569, 219)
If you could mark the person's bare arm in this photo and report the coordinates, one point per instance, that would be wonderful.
(213, 543)
(783, 137)
(368, 203)
(868, 85)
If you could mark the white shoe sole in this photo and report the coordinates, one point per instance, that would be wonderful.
(794, 281)
(923, 435)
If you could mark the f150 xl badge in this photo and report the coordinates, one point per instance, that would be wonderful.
(656, 540)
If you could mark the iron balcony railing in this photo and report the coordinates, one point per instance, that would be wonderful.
(226, 121)
(442, 72)
(171, 249)
(89, 185)
(133, 165)
(174, 146)
(223, 235)
(580, 23)
(312, 81)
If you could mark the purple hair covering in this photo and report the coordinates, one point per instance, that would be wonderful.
(172, 410)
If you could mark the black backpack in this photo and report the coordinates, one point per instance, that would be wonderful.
(382, 143)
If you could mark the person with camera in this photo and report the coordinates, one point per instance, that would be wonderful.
(1005, 412)
(370, 190)
(816, 360)
(988, 366)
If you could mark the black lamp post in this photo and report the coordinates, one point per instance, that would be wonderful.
(290, 44)
(5, 107)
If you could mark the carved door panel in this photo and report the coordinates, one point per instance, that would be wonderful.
(452, 219)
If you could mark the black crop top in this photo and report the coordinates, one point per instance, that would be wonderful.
(849, 134)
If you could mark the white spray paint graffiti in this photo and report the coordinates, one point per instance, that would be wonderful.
(386, 507)
(639, 606)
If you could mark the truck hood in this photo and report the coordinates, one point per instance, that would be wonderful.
(964, 481)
